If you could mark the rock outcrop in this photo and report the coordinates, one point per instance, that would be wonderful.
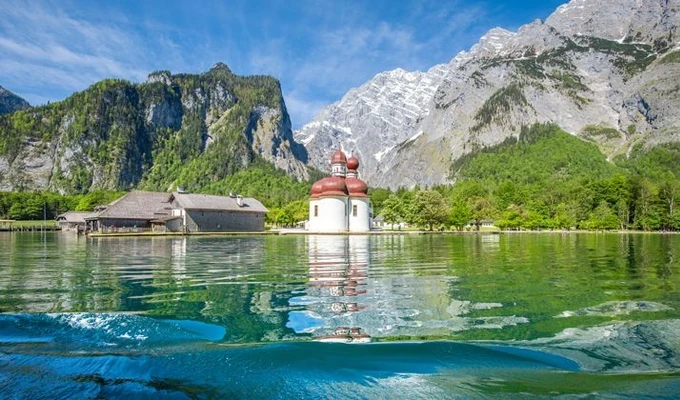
(173, 130)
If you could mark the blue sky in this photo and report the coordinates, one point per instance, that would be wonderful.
(318, 49)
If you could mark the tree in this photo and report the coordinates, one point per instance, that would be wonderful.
(482, 208)
(378, 197)
(602, 218)
(430, 208)
(564, 217)
(460, 215)
(512, 218)
(669, 193)
(296, 211)
(534, 220)
(391, 210)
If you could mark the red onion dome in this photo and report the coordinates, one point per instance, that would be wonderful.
(317, 188)
(339, 157)
(334, 186)
(353, 163)
(356, 187)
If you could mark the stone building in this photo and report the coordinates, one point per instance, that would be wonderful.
(140, 211)
(340, 203)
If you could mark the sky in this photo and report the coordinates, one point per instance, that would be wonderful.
(318, 49)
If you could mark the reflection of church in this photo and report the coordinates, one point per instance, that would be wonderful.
(340, 203)
(338, 270)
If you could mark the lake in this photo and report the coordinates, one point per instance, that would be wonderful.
(380, 316)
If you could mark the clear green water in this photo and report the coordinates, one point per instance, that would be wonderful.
(428, 316)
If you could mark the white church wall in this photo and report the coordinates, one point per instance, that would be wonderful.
(332, 215)
(359, 214)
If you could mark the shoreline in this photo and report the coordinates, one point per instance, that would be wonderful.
(289, 232)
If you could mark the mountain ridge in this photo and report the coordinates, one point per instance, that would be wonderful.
(187, 130)
(589, 64)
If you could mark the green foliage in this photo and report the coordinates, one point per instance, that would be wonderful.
(655, 162)
(543, 152)
(392, 210)
(600, 131)
(496, 108)
(429, 208)
(35, 205)
(97, 198)
(549, 179)
(378, 197)
(671, 57)
(273, 187)
(460, 215)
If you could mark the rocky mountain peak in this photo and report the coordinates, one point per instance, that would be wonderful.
(619, 20)
(220, 67)
(492, 43)
(160, 76)
(603, 63)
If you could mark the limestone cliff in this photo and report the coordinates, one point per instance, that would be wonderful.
(173, 130)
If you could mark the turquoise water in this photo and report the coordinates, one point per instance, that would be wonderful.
(437, 316)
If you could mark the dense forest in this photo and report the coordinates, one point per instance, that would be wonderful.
(543, 179)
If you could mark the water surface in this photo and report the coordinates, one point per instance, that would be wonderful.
(340, 316)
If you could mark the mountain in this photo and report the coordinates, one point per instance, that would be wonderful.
(603, 70)
(10, 102)
(370, 120)
(170, 131)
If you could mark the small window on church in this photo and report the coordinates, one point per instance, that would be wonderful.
(316, 211)
(354, 210)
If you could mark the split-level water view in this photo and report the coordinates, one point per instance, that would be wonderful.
(379, 316)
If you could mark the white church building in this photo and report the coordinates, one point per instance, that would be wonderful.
(340, 203)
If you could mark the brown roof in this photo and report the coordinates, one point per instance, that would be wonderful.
(190, 201)
(166, 218)
(138, 205)
(75, 216)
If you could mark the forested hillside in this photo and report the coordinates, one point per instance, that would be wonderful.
(547, 178)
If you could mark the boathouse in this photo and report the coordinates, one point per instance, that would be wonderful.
(140, 211)
(73, 220)
(207, 213)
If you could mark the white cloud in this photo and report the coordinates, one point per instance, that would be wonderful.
(41, 44)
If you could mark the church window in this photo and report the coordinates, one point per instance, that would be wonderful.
(354, 210)
(316, 210)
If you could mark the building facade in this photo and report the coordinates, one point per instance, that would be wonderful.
(139, 211)
(340, 203)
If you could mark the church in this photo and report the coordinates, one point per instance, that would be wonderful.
(340, 202)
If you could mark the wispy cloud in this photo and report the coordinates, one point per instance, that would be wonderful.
(42, 44)
(318, 49)
(347, 54)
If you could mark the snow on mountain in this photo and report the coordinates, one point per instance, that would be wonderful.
(592, 62)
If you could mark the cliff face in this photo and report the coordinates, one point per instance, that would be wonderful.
(173, 130)
(10, 102)
(606, 71)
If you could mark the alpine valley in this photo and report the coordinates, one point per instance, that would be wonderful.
(605, 71)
